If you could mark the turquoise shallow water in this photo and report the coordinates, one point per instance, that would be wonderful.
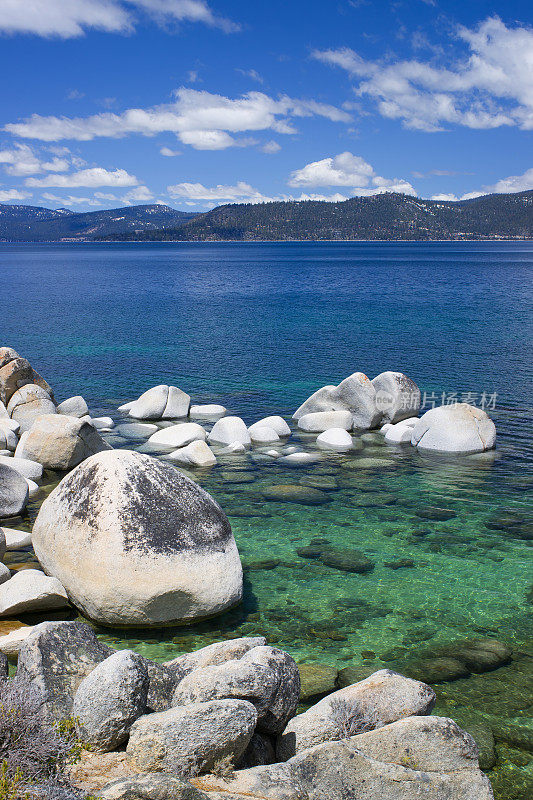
(258, 328)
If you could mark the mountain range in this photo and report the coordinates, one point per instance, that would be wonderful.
(35, 224)
(380, 217)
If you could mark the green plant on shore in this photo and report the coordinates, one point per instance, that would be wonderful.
(36, 753)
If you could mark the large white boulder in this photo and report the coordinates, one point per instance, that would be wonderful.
(136, 543)
(229, 430)
(263, 435)
(14, 491)
(60, 442)
(178, 435)
(275, 422)
(28, 403)
(336, 439)
(160, 402)
(397, 396)
(459, 428)
(319, 421)
(355, 394)
(195, 454)
(31, 590)
(73, 407)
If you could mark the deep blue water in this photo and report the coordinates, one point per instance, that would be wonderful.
(268, 323)
(258, 327)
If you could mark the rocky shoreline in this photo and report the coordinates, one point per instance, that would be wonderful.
(130, 541)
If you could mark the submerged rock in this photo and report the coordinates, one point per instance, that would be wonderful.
(295, 493)
(347, 560)
(135, 542)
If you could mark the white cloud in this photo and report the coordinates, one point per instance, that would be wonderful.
(21, 160)
(165, 11)
(93, 177)
(141, 194)
(241, 192)
(166, 151)
(348, 170)
(12, 194)
(196, 191)
(491, 87)
(513, 183)
(342, 170)
(72, 18)
(198, 118)
(207, 140)
(271, 147)
(444, 197)
(251, 73)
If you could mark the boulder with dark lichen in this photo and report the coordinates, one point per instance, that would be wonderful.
(136, 543)
(56, 657)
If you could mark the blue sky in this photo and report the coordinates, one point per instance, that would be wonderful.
(194, 104)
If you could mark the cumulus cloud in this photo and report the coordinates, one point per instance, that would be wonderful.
(348, 170)
(199, 118)
(166, 151)
(241, 192)
(6, 195)
(141, 194)
(92, 177)
(489, 88)
(21, 160)
(72, 18)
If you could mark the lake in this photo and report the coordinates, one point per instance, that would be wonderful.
(259, 327)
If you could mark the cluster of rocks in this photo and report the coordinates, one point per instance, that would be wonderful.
(36, 433)
(220, 722)
(390, 402)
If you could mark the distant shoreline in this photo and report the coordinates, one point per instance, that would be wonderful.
(272, 241)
